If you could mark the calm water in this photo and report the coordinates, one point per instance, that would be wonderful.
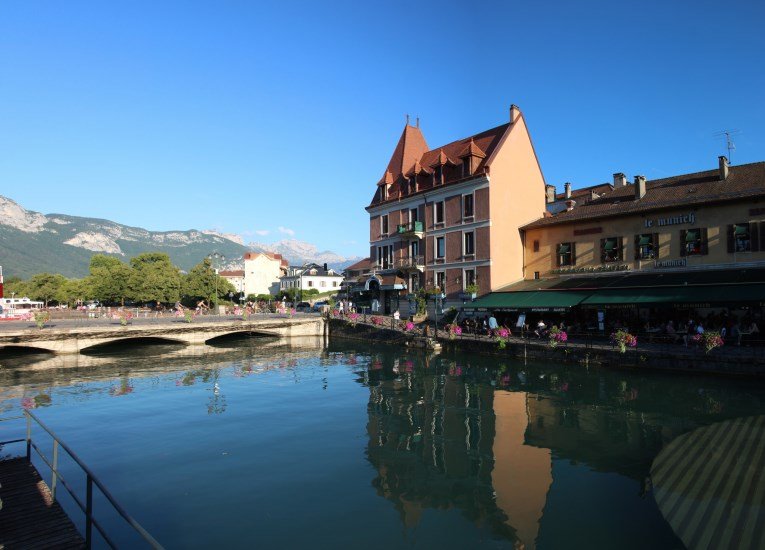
(261, 444)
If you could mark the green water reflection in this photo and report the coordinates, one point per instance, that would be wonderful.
(261, 443)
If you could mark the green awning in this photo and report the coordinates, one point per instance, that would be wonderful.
(692, 235)
(541, 300)
(741, 230)
(712, 294)
(610, 245)
(644, 240)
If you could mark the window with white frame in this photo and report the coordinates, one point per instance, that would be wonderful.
(467, 206)
(438, 212)
(440, 247)
(469, 278)
(441, 280)
(384, 224)
(469, 243)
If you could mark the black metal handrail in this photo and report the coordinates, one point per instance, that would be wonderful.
(91, 479)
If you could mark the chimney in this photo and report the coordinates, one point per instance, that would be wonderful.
(723, 168)
(570, 204)
(325, 267)
(639, 187)
(515, 112)
(620, 180)
(567, 187)
(549, 194)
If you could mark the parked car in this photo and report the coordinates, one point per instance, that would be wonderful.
(319, 306)
(303, 307)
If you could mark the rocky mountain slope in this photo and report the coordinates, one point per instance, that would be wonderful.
(31, 243)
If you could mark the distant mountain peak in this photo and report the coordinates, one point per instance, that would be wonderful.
(31, 243)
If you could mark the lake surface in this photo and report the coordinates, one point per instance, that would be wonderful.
(270, 444)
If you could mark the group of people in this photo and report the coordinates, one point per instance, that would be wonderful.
(480, 325)
(732, 331)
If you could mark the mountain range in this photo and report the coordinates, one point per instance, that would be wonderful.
(31, 243)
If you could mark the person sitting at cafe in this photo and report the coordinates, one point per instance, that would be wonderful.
(541, 329)
(751, 329)
(493, 325)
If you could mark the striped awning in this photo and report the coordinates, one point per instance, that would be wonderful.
(710, 485)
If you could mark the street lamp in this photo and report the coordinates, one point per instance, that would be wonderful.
(216, 258)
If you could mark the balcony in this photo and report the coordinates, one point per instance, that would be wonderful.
(410, 230)
(411, 263)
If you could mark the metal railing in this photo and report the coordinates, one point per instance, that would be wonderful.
(91, 480)
(411, 227)
(411, 262)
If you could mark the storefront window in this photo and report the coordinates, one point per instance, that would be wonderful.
(565, 254)
(694, 243)
(645, 245)
(610, 249)
(741, 237)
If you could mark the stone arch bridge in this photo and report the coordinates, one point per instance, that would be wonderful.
(61, 337)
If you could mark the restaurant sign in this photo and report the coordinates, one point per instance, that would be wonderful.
(672, 220)
(661, 264)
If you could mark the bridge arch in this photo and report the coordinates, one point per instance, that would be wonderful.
(239, 334)
(146, 341)
(23, 349)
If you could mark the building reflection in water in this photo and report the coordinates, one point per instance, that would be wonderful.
(488, 441)
(446, 442)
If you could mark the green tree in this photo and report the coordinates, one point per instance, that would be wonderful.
(76, 290)
(109, 279)
(47, 287)
(202, 282)
(15, 286)
(153, 277)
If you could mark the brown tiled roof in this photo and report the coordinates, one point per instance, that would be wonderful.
(600, 189)
(252, 255)
(361, 264)
(743, 182)
(472, 149)
(411, 154)
(234, 273)
(411, 146)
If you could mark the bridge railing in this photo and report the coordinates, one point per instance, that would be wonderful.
(91, 481)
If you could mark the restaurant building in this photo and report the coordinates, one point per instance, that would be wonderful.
(691, 242)
(447, 219)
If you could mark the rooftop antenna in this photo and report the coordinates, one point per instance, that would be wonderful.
(407, 119)
(729, 142)
(418, 122)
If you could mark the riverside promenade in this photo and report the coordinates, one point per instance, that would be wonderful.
(73, 335)
(587, 349)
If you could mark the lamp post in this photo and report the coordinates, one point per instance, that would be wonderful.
(216, 258)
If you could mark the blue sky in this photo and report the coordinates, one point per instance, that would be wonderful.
(275, 119)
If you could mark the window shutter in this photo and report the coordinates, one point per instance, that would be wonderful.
(655, 237)
(704, 244)
(623, 243)
(754, 237)
(637, 247)
(557, 255)
(683, 248)
(731, 239)
(762, 235)
(573, 254)
(602, 251)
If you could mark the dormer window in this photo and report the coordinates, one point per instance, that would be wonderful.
(383, 192)
(467, 163)
(413, 183)
(438, 175)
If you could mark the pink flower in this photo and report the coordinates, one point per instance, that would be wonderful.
(409, 326)
(28, 403)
